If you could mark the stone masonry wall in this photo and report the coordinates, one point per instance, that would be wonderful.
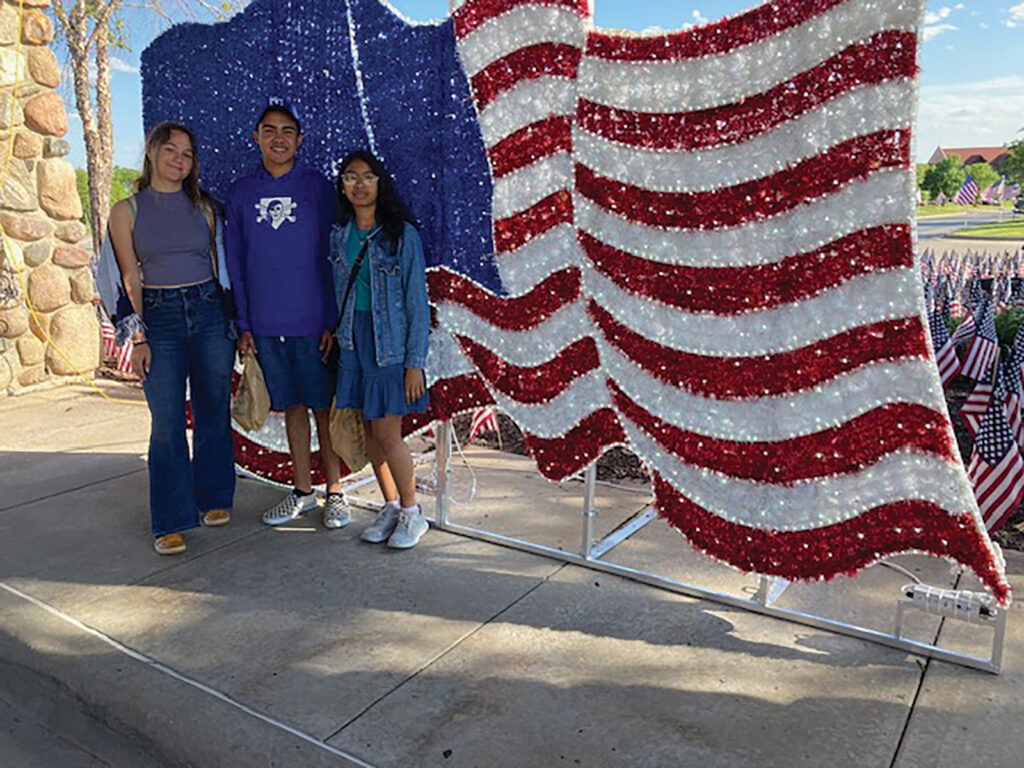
(41, 213)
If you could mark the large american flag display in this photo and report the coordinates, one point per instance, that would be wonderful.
(702, 250)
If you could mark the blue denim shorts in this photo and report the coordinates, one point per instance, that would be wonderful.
(294, 372)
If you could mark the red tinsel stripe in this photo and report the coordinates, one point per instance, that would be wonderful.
(475, 12)
(726, 35)
(725, 378)
(731, 206)
(517, 313)
(558, 458)
(530, 144)
(512, 232)
(834, 550)
(529, 63)
(842, 450)
(885, 56)
(539, 384)
(449, 397)
(272, 465)
(731, 290)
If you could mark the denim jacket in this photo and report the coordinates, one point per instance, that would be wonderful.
(398, 296)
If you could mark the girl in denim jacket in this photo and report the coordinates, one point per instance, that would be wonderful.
(380, 280)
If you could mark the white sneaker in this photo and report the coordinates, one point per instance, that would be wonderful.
(336, 511)
(383, 526)
(290, 507)
(410, 529)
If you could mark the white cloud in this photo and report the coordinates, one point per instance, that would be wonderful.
(934, 21)
(120, 65)
(935, 30)
(983, 113)
(1016, 17)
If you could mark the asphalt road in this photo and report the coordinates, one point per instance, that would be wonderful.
(934, 227)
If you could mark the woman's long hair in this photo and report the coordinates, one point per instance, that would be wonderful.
(159, 136)
(391, 212)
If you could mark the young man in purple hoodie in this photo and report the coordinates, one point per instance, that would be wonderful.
(278, 222)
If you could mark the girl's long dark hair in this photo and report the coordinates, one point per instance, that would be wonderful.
(159, 136)
(391, 212)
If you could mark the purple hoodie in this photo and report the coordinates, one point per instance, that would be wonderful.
(277, 239)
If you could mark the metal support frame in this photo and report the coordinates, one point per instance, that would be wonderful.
(763, 602)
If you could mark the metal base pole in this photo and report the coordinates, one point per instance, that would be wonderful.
(762, 603)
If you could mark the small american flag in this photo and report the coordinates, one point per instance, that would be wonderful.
(124, 356)
(996, 470)
(984, 347)
(968, 192)
(108, 336)
(484, 420)
(965, 331)
(976, 406)
(1010, 383)
(943, 346)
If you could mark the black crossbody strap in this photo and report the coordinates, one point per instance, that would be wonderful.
(352, 278)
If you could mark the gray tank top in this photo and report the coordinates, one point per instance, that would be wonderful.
(172, 239)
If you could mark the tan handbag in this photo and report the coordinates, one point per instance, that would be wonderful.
(348, 437)
(251, 403)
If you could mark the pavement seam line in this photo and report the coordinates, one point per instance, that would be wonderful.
(920, 684)
(181, 677)
(70, 490)
(446, 651)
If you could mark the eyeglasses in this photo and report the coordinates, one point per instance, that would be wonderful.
(366, 178)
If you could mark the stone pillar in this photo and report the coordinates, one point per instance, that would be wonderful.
(41, 213)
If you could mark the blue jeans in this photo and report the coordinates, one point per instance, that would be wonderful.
(187, 334)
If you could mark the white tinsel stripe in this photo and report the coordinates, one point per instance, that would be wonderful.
(815, 503)
(860, 301)
(523, 348)
(711, 81)
(521, 27)
(884, 197)
(445, 358)
(777, 417)
(559, 415)
(522, 269)
(529, 102)
(863, 111)
(527, 186)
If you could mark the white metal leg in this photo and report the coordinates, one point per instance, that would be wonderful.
(762, 603)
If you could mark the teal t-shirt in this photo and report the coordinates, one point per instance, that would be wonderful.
(361, 288)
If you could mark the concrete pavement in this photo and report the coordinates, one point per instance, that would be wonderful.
(301, 646)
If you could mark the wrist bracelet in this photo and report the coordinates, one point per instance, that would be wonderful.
(137, 343)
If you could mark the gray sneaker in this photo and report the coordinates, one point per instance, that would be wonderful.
(290, 507)
(383, 526)
(336, 511)
(410, 529)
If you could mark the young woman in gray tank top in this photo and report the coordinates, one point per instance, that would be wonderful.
(165, 250)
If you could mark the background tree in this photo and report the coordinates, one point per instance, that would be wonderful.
(983, 175)
(90, 28)
(944, 177)
(1014, 166)
(85, 27)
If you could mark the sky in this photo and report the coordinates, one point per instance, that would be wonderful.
(972, 66)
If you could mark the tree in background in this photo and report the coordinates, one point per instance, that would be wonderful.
(90, 28)
(983, 174)
(120, 188)
(1014, 166)
(944, 177)
(86, 27)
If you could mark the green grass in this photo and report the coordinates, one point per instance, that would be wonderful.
(924, 211)
(1011, 230)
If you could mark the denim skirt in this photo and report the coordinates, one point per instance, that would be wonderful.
(377, 391)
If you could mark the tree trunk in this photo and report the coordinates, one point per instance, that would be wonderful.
(77, 34)
(99, 200)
